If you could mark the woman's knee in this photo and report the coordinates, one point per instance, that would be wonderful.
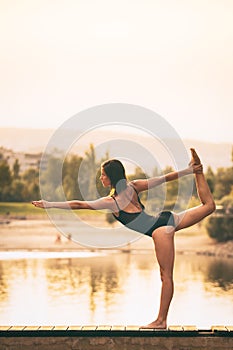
(211, 207)
(166, 276)
(208, 208)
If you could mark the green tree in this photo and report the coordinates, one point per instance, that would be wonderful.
(90, 158)
(220, 227)
(87, 174)
(223, 182)
(70, 179)
(227, 203)
(220, 224)
(210, 178)
(16, 169)
(172, 186)
(31, 184)
(5, 174)
(5, 178)
(15, 192)
(30, 175)
(156, 195)
(101, 191)
(51, 178)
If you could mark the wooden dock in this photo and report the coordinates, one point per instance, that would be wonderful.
(118, 337)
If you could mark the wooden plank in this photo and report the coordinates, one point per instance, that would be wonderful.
(190, 328)
(75, 328)
(60, 328)
(46, 328)
(89, 328)
(4, 328)
(118, 328)
(104, 328)
(219, 329)
(132, 328)
(176, 328)
(16, 328)
(31, 328)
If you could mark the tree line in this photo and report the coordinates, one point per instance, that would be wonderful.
(80, 180)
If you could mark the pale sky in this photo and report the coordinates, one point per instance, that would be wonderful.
(174, 57)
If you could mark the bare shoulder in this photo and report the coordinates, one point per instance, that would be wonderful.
(104, 203)
(108, 200)
(140, 185)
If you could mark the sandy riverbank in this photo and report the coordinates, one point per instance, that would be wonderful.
(41, 234)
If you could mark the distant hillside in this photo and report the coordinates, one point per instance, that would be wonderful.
(26, 140)
(35, 140)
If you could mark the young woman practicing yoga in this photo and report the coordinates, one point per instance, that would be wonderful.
(125, 205)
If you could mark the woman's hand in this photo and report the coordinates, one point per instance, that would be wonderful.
(42, 204)
(197, 169)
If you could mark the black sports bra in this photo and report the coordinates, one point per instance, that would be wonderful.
(123, 211)
(127, 218)
(141, 221)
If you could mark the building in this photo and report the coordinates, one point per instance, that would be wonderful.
(26, 160)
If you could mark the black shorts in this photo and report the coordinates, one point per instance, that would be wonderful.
(164, 218)
(146, 223)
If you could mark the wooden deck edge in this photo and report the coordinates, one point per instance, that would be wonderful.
(113, 331)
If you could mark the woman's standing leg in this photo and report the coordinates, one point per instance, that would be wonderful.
(163, 238)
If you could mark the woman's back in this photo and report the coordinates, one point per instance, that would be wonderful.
(128, 201)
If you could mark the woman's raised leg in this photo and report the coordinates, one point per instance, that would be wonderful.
(192, 216)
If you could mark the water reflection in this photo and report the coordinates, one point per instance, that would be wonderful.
(93, 278)
(3, 284)
(113, 288)
(220, 274)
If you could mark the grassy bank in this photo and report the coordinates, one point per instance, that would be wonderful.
(18, 209)
(27, 210)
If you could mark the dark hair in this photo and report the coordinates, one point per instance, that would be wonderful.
(115, 171)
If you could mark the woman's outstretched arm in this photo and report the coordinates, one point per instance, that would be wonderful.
(145, 184)
(102, 203)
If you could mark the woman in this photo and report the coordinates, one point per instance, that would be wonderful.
(125, 205)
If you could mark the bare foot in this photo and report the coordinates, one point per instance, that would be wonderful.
(195, 159)
(155, 325)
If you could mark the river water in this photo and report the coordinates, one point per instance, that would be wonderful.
(111, 288)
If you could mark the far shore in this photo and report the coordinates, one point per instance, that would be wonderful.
(38, 233)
